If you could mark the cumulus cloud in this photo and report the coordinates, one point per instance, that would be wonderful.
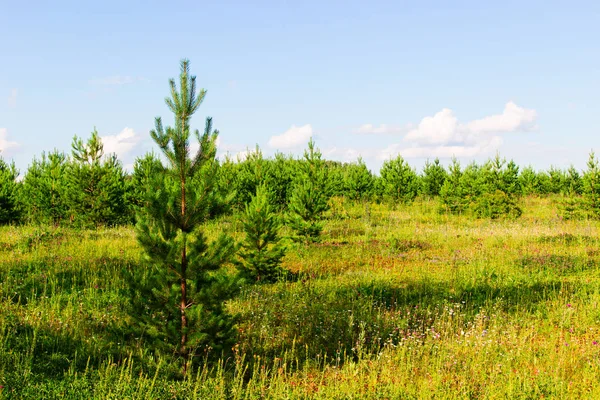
(514, 118)
(12, 97)
(6, 144)
(489, 145)
(120, 144)
(293, 137)
(441, 128)
(442, 135)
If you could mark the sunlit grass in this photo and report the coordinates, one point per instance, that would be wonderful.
(393, 303)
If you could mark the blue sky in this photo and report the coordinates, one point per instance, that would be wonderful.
(376, 79)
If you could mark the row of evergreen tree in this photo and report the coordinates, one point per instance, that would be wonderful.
(89, 188)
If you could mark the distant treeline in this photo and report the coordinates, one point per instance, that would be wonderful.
(88, 188)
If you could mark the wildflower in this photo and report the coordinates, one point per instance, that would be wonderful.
(569, 305)
(595, 342)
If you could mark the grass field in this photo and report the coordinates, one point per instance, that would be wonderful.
(393, 304)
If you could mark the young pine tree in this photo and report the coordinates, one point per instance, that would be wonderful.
(145, 170)
(44, 188)
(10, 209)
(557, 180)
(451, 193)
(310, 196)
(96, 185)
(528, 181)
(498, 190)
(358, 181)
(574, 182)
(261, 251)
(177, 298)
(434, 176)
(591, 186)
(250, 174)
(280, 180)
(400, 182)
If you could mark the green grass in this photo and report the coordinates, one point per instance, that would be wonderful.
(399, 304)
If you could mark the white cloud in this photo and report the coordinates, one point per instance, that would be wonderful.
(441, 135)
(293, 137)
(441, 128)
(514, 118)
(487, 146)
(12, 98)
(5, 144)
(120, 144)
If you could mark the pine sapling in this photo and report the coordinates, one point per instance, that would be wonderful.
(261, 252)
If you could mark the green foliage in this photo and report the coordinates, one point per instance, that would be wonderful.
(399, 180)
(471, 184)
(557, 180)
(177, 299)
(529, 181)
(310, 196)
(261, 251)
(280, 179)
(571, 207)
(573, 182)
(591, 186)
(434, 177)
(510, 179)
(96, 185)
(145, 170)
(240, 178)
(250, 174)
(44, 189)
(10, 208)
(336, 173)
(488, 191)
(451, 192)
(495, 205)
(499, 190)
(358, 181)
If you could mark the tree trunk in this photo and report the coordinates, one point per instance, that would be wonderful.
(183, 281)
(183, 307)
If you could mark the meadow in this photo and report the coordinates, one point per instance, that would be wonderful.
(394, 303)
